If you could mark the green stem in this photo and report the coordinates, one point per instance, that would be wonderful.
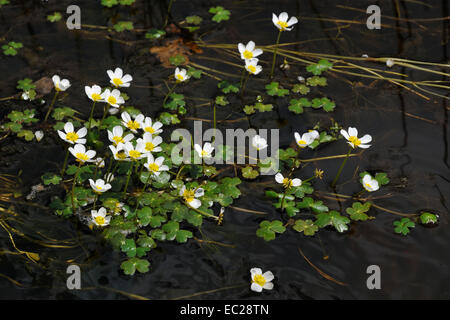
(73, 186)
(169, 8)
(168, 93)
(275, 54)
(309, 179)
(90, 117)
(342, 167)
(95, 200)
(245, 82)
(105, 111)
(146, 181)
(282, 199)
(242, 77)
(215, 122)
(51, 106)
(130, 171)
(179, 171)
(65, 163)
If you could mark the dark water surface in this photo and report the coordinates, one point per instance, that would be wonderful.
(410, 144)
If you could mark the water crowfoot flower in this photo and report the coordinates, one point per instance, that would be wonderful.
(150, 127)
(306, 139)
(71, 136)
(99, 186)
(181, 75)
(119, 152)
(113, 98)
(204, 152)
(155, 166)
(99, 218)
(261, 280)
(150, 143)
(287, 183)
(131, 124)
(352, 138)
(248, 51)
(283, 24)
(135, 153)
(94, 93)
(80, 153)
(39, 135)
(259, 143)
(60, 85)
(118, 79)
(252, 66)
(116, 136)
(191, 195)
(369, 183)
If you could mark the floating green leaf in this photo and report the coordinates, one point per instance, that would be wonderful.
(155, 34)
(306, 226)
(428, 218)
(249, 173)
(227, 87)
(319, 67)
(268, 229)
(402, 226)
(123, 25)
(51, 178)
(56, 16)
(130, 266)
(333, 218)
(220, 14)
(296, 105)
(358, 211)
(274, 89)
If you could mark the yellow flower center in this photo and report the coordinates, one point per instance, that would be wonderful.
(368, 185)
(82, 156)
(149, 129)
(247, 54)
(259, 279)
(204, 153)
(57, 88)
(112, 100)
(283, 25)
(180, 77)
(356, 142)
(153, 167)
(149, 146)
(133, 125)
(117, 139)
(100, 220)
(72, 136)
(251, 68)
(96, 97)
(121, 155)
(134, 154)
(189, 195)
(301, 143)
(287, 182)
(117, 82)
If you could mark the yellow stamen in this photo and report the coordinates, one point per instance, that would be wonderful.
(283, 25)
(134, 154)
(149, 146)
(96, 97)
(204, 153)
(287, 182)
(251, 68)
(117, 140)
(133, 125)
(149, 129)
(153, 167)
(259, 279)
(100, 220)
(112, 100)
(180, 77)
(189, 195)
(302, 143)
(72, 136)
(247, 54)
(117, 82)
(356, 142)
(121, 155)
(82, 156)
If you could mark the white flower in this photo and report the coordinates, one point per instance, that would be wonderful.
(301, 79)
(287, 183)
(131, 124)
(252, 66)
(60, 85)
(150, 143)
(99, 217)
(113, 111)
(79, 152)
(282, 23)
(39, 135)
(135, 153)
(149, 126)
(248, 51)
(99, 162)
(71, 136)
(119, 152)
(116, 136)
(113, 98)
(94, 93)
(25, 95)
(109, 177)
(191, 195)
(99, 185)
(261, 281)
(390, 63)
(369, 183)
(118, 79)
(354, 141)
(259, 143)
(206, 151)
(181, 75)
(306, 139)
(155, 166)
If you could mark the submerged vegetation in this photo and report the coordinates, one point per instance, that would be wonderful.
(120, 177)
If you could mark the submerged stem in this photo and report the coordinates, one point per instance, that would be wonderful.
(130, 171)
(275, 54)
(90, 117)
(243, 85)
(65, 163)
(51, 106)
(342, 167)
